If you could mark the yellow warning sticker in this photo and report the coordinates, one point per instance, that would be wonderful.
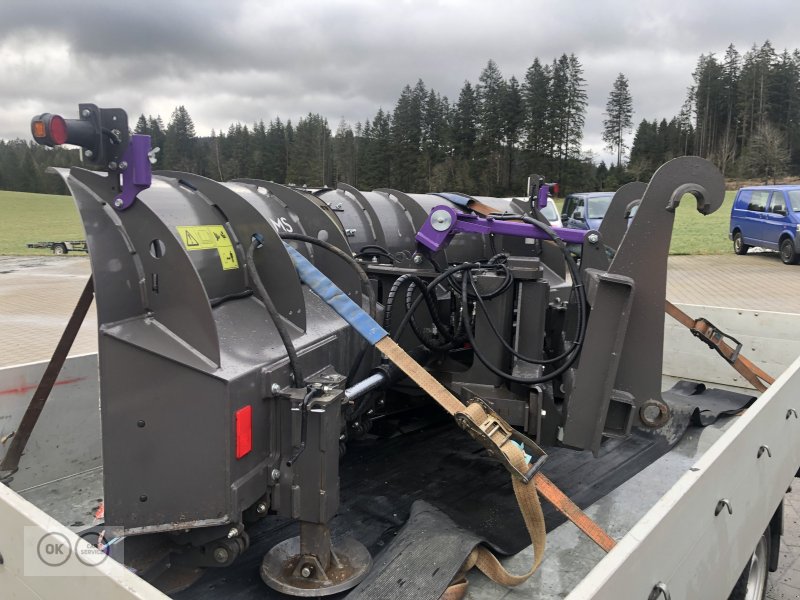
(210, 237)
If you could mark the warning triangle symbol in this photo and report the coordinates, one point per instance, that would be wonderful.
(190, 240)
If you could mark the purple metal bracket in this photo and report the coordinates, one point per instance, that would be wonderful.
(136, 171)
(544, 191)
(443, 223)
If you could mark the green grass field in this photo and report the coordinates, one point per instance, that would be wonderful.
(697, 234)
(39, 217)
(26, 218)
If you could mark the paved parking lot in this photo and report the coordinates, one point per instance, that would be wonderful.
(37, 294)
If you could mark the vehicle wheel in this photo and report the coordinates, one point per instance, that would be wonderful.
(752, 584)
(788, 255)
(739, 247)
(59, 249)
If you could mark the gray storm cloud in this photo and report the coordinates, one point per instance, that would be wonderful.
(242, 60)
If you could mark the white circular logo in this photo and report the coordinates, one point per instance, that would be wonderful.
(54, 549)
(93, 552)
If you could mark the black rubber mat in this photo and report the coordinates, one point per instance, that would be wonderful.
(467, 497)
(421, 561)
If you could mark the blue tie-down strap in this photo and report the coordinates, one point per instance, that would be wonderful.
(336, 298)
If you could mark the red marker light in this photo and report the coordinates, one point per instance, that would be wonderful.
(58, 130)
(49, 130)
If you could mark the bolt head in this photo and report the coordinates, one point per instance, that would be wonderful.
(275, 389)
(112, 166)
(592, 238)
(305, 571)
(86, 113)
(261, 508)
(88, 153)
(123, 165)
(118, 202)
(417, 259)
(441, 220)
(233, 533)
(221, 555)
(276, 474)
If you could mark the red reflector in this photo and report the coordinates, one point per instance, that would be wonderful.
(244, 431)
(58, 130)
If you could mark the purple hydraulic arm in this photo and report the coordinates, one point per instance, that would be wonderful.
(444, 222)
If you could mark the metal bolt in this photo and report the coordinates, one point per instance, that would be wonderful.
(305, 571)
(233, 533)
(116, 132)
(592, 238)
(275, 389)
(261, 508)
(112, 166)
(276, 474)
(417, 259)
(441, 220)
(221, 555)
(123, 165)
(88, 153)
(140, 423)
(118, 203)
(86, 113)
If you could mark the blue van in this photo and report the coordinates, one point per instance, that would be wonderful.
(767, 216)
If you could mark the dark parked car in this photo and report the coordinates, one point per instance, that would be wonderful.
(585, 210)
(769, 217)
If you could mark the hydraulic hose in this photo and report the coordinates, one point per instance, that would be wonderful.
(280, 326)
(571, 354)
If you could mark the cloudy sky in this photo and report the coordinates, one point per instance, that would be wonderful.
(244, 60)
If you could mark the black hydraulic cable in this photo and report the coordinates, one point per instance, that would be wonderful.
(431, 286)
(374, 247)
(499, 372)
(365, 283)
(311, 393)
(429, 341)
(413, 281)
(237, 296)
(522, 357)
(291, 352)
(572, 353)
(431, 304)
(455, 285)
